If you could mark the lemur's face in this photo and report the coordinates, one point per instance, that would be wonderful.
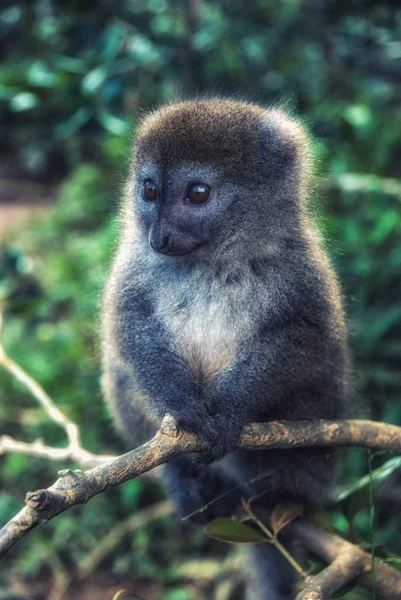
(204, 178)
(184, 209)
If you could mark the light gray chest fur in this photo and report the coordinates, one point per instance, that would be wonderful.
(208, 319)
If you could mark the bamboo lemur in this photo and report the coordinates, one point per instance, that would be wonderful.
(222, 308)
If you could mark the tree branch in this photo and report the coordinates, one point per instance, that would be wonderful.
(322, 433)
(44, 399)
(77, 487)
(347, 563)
(74, 451)
(39, 449)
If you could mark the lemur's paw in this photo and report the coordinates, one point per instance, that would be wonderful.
(219, 433)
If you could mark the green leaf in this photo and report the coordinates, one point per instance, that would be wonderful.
(206, 568)
(113, 124)
(388, 222)
(359, 116)
(14, 466)
(40, 75)
(70, 64)
(228, 530)
(355, 503)
(393, 560)
(379, 476)
(114, 41)
(93, 81)
(11, 15)
(283, 514)
(23, 101)
(178, 594)
(381, 326)
(7, 92)
(74, 123)
(322, 518)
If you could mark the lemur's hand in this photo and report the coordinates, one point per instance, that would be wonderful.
(219, 431)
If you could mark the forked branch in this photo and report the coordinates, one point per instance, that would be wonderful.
(347, 563)
(77, 487)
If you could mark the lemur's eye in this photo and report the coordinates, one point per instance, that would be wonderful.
(198, 193)
(150, 190)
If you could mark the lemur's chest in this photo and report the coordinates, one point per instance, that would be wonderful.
(208, 324)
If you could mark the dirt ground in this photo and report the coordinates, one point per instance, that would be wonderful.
(19, 201)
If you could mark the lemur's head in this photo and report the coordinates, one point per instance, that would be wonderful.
(214, 176)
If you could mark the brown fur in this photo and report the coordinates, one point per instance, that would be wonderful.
(205, 370)
(218, 132)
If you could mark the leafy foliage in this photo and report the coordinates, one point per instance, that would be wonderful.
(229, 530)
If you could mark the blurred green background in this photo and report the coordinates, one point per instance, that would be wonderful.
(74, 77)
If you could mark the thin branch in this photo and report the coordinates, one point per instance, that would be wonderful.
(74, 452)
(273, 539)
(356, 182)
(44, 399)
(109, 542)
(77, 487)
(39, 449)
(347, 563)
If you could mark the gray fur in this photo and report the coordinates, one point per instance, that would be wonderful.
(239, 319)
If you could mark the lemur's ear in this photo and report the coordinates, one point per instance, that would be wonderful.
(284, 142)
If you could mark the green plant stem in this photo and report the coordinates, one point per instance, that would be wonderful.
(273, 540)
(371, 526)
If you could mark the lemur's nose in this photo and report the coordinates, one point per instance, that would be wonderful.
(159, 243)
(164, 242)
